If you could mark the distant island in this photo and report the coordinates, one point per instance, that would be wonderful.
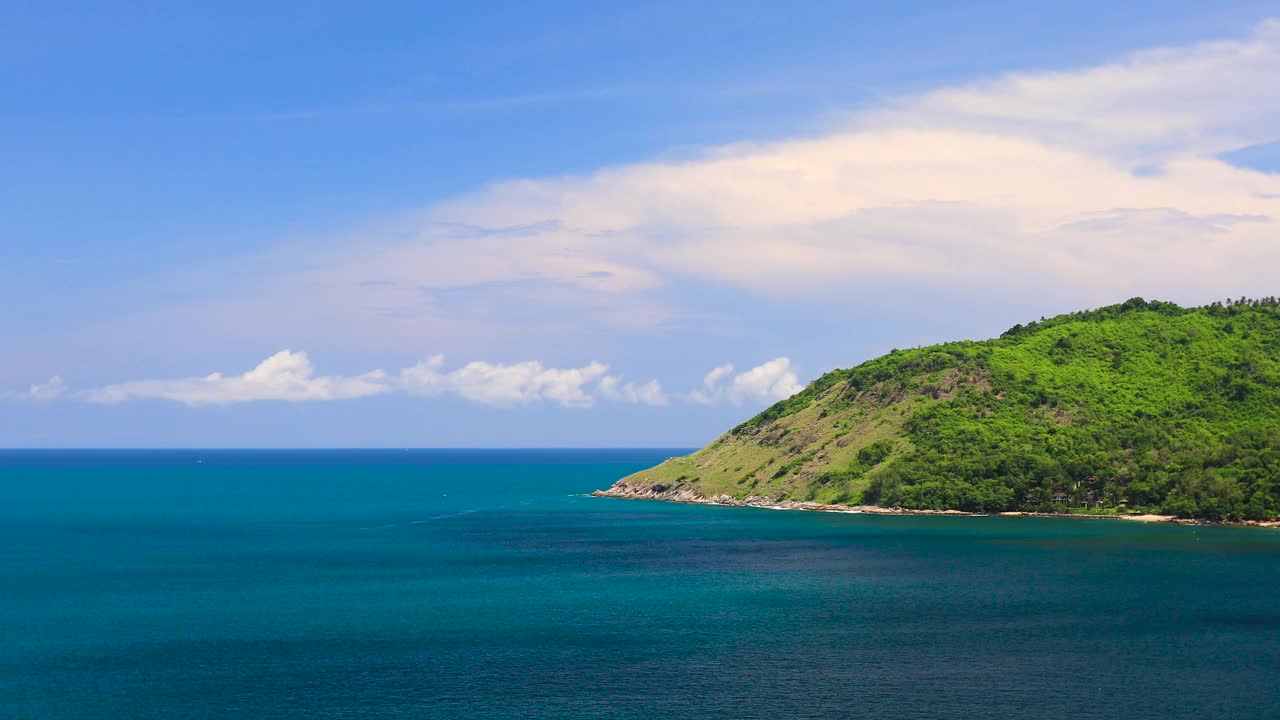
(1132, 409)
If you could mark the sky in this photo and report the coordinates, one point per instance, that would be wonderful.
(589, 224)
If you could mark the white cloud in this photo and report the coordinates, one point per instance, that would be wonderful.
(38, 392)
(1200, 99)
(504, 385)
(289, 376)
(713, 378)
(1074, 187)
(763, 384)
(984, 185)
(612, 388)
(44, 392)
(285, 375)
(769, 382)
(711, 393)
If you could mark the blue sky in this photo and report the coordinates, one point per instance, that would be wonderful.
(516, 224)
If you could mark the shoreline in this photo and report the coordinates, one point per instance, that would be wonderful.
(689, 496)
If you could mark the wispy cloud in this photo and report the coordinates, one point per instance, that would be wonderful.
(401, 105)
(984, 185)
(650, 393)
(38, 392)
(1086, 185)
(1152, 105)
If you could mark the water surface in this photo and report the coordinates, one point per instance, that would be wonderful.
(483, 584)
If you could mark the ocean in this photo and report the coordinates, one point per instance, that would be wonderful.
(487, 584)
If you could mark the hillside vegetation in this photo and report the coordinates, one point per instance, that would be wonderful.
(1144, 406)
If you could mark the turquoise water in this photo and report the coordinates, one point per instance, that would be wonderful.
(482, 584)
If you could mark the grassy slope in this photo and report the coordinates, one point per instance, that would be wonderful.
(1141, 405)
(799, 456)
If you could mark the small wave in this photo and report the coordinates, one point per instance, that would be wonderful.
(427, 520)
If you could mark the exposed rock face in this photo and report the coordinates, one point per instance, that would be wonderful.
(639, 490)
(644, 491)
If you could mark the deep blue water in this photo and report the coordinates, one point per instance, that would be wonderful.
(482, 584)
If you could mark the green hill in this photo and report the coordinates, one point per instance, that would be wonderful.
(1139, 407)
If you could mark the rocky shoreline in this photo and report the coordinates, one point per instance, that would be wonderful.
(690, 495)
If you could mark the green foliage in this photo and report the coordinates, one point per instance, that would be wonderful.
(875, 453)
(1142, 405)
(791, 467)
